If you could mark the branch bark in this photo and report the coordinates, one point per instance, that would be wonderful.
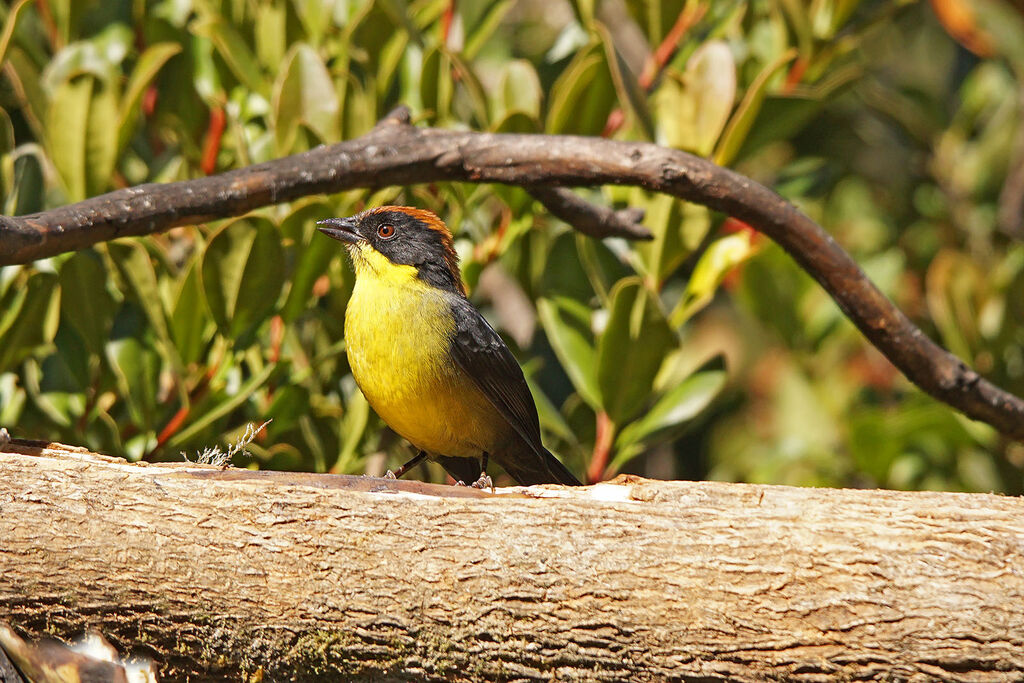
(397, 153)
(216, 573)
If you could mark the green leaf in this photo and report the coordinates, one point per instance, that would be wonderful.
(54, 405)
(481, 33)
(100, 57)
(315, 18)
(70, 368)
(304, 94)
(435, 84)
(583, 96)
(231, 403)
(315, 253)
(742, 121)
(780, 118)
(234, 51)
(242, 276)
(518, 90)
(21, 70)
(31, 321)
(388, 62)
(720, 258)
(271, 36)
(550, 419)
(190, 319)
(136, 269)
(67, 133)
(711, 79)
(101, 139)
(146, 69)
(205, 77)
(674, 408)
(353, 426)
(12, 399)
(9, 25)
(567, 324)
(136, 366)
(516, 122)
(85, 301)
(630, 350)
(630, 95)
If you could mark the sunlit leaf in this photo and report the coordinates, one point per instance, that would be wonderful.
(673, 409)
(711, 81)
(67, 129)
(743, 119)
(519, 89)
(304, 95)
(101, 141)
(720, 258)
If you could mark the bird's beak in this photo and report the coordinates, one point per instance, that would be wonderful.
(341, 229)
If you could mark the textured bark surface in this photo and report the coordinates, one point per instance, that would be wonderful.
(397, 153)
(216, 573)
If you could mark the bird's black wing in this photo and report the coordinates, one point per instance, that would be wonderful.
(482, 355)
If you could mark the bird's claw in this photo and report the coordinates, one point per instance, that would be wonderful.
(483, 483)
(390, 475)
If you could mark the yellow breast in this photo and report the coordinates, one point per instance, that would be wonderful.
(398, 330)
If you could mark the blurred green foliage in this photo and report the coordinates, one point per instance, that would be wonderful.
(704, 353)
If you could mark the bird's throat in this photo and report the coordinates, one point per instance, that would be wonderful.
(375, 269)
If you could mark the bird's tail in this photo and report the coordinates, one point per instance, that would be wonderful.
(560, 471)
(537, 466)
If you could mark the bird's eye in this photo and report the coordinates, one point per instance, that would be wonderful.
(386, 231)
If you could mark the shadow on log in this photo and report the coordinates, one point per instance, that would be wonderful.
(220, 573)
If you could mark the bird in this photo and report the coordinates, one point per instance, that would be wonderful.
(427, 361)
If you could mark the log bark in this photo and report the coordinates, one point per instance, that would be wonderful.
(218, 573)
(397, 153)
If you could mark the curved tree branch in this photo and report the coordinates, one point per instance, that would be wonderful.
(397, 153)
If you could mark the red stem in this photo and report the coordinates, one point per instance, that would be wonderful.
(211, 143)
(602, 448)
(657, 60)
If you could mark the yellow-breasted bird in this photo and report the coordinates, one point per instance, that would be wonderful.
(425, 358)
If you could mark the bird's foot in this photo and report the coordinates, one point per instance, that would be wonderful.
(483, 483)
(390, 475)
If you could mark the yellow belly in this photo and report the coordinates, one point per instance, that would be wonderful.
(397, 336)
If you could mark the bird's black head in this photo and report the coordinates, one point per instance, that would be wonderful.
(406, 237)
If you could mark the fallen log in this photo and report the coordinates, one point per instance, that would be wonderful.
(218, 573)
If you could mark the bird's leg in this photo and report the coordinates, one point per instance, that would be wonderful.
(484, 482)
(406, 467)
